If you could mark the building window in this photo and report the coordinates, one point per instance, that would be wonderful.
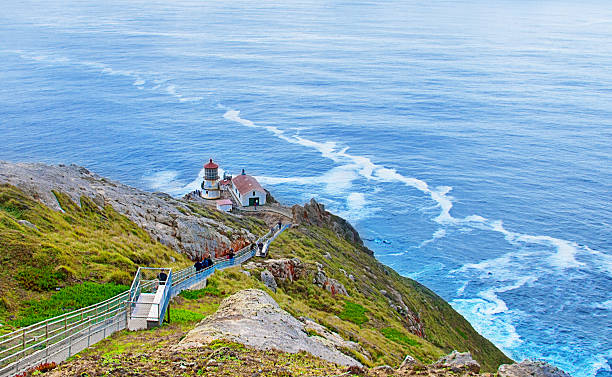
(253, 193)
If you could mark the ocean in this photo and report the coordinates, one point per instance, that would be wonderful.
(469, 141)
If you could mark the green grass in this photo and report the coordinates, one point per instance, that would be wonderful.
(89, 243)
(399, 337)
(66, 300)
(184, 316)
(211, 289)
(85, 243)
(13, 211)
(354, 313)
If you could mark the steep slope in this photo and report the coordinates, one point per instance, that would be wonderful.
(80, 230)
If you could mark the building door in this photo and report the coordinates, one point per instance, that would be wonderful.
(253, 201)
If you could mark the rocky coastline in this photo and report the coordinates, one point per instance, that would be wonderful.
(312, 270)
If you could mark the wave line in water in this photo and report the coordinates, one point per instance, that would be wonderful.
(566, 251)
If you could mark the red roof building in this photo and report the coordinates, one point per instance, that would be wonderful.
(248, 191)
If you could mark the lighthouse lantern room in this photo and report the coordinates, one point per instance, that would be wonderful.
(210, 186)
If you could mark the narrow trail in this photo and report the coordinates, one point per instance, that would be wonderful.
(143, 306)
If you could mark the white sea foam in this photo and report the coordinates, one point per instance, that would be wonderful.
(440, 233)
(486, 318)
(168, 182)
(606, 305)
(138, 77)
(352, 166)
(600, 363)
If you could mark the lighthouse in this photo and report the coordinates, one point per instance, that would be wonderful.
(210, 186)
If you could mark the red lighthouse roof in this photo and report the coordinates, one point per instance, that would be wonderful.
(211, 165)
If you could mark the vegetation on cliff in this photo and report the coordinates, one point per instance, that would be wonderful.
(388, 315)
(54, 261)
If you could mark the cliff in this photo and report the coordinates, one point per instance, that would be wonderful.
(63, 227)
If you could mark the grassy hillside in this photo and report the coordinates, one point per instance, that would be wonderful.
(380, 328)
(365, 316)
(90, 253)
(67, 259)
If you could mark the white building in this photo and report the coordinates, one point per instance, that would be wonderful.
(210, 186)
(224, 205)
(248, 191)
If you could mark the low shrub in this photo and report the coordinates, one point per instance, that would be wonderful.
(353, 313)
(66, 300)
(184, 316)
(399, 337)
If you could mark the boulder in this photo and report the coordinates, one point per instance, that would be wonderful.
(333, 338)
(27, 223)
(384, 369)
(458, 361)
(531, 368)
(331, 285)
(253, 318)
(409, 361)
(268, 279)
(286, 269)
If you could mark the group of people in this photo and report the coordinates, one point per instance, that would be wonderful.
(203, 264)
(207, 262)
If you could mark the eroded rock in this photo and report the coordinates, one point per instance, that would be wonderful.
(458, 361)
(314, 213)
(531, 368)
(333, 338)
(163, 217)
(409, 361)
(253, 318)
(332, 285)
(268, 279)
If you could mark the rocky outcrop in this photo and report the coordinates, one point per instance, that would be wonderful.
(283, 269)
(253, 318)
(331, 285)
(415, 325)
(268, 279)
(166, 219)
(314, 213)
(332, 338)
(458, 361)
(531, 368)
(409, 361)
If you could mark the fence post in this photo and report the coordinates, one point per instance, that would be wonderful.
(46, 340)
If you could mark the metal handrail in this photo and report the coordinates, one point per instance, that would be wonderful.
(23, 343)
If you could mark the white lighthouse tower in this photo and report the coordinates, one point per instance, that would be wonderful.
(210, 186)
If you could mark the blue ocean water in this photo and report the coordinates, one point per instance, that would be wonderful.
(469, 141)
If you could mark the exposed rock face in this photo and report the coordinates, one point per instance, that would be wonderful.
(268, 279)
(253, 318)
(27, 223)
(332, 338)
(458, 361)
(166, 219)
(415, 325)
(286, 269)
(409, 361)
(314, 213)
(332, 285)
(531, 368)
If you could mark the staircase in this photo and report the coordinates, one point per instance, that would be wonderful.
(144, 306)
